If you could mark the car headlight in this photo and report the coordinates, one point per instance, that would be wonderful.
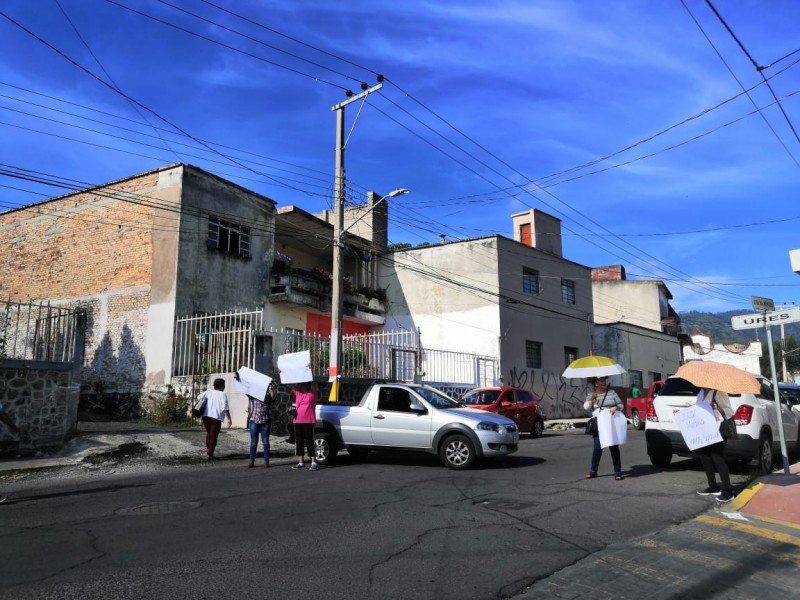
(487, 426)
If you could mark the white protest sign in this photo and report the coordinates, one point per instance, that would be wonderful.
(612, 429)
(698, 426)
(295, 367)
(252, 383)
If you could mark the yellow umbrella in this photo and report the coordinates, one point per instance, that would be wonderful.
(592, 366)
(718, 376)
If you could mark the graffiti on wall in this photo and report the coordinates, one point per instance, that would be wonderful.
(557, 398)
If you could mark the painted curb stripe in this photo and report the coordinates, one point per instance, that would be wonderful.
(776, 536)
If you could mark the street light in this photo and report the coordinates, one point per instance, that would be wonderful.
(337, 298)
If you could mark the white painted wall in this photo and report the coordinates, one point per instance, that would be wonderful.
(468, 296)
(747, 358)
(641, 303)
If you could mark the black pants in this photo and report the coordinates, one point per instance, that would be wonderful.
(304, 438)
(711, 457)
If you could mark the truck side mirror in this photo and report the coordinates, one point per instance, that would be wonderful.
(418, 408)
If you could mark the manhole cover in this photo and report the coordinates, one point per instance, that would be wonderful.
(158, 508)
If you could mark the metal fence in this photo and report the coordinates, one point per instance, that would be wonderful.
(224, 342)
(217, 343)
(30, 331)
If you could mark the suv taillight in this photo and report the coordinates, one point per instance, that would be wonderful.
(744, 414)
(651, 411)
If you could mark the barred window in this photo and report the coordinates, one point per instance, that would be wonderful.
(530, 281)
(228, 237)
(567, 291)
(533, 354)
(570, 355)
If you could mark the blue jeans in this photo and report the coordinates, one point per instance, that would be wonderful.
(598, 452)
(255, 430)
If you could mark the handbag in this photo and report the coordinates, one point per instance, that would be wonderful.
(727, 429)
(591, 424)
(199, 405)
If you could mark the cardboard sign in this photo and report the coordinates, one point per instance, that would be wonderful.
(612, 429)
(252, 383)
(295, 367)
(698, 426)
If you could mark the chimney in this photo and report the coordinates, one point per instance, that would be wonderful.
(539, 230)
(609, 273)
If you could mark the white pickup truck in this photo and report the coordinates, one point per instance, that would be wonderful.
(398, 416)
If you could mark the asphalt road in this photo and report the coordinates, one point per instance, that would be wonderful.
(391, 526)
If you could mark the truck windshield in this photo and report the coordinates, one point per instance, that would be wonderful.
(436, 398)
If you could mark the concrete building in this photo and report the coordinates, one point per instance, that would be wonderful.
(495, 296)
(746, 357)
(636, 325)
(301, 280)
(135, 253)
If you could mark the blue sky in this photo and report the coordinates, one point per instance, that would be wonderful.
(624, 118)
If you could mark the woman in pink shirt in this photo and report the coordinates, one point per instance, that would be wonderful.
(305, 399)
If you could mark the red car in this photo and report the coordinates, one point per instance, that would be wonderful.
(517, 404)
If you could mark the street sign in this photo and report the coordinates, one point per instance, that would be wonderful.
(762, 304)
(780, 317)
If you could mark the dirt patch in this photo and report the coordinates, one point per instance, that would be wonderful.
(122, 452)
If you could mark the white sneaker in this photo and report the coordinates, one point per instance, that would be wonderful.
(313, 467)
(298, 467)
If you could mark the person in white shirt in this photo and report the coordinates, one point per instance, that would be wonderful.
(215, 409)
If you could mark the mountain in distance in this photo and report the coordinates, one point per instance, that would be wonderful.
(718, 326)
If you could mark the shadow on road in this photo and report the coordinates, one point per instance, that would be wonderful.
(96, 490)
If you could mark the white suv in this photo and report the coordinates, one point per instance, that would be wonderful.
(757, 441)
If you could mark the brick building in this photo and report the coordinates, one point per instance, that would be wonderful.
(135, 253)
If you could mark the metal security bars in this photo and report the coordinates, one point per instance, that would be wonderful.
(41, 332)
(224, 342)
(218, 343)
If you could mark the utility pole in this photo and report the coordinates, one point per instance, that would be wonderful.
(338, 235)
(783, 345)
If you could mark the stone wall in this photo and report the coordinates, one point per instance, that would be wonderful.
(44, 398)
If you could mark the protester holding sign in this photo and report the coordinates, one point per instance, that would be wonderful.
(712, 456)
(257, 388)
(602, 399)
(305, 398)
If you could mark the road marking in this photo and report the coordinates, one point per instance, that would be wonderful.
(776, 536)
(745, 496)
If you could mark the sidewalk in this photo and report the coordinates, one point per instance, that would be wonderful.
(139, 444)
(746, 549)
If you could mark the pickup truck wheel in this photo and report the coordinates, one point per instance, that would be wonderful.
(636, 420)
(457, 452)
(765, 463)
(325, 448)
(538, 429)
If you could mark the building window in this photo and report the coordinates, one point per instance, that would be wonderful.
(567, 291)
(533, 354)
(636, 378)
(654, 376)
(530, 281)
(570, 355)
(228, 237)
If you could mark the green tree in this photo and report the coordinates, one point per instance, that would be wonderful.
(790, 348)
